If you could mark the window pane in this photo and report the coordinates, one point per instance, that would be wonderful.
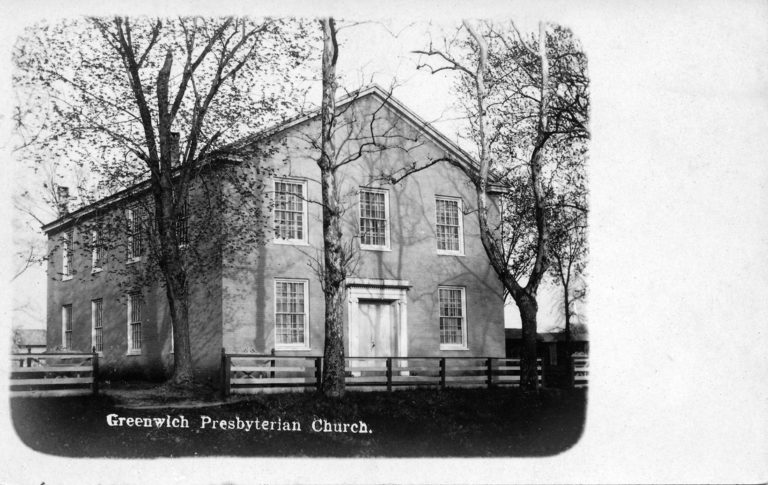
(290, 315)
(289, 210)
(373, 218)
(98, 341)
(448, 225)
(135, 320)
(451, 316)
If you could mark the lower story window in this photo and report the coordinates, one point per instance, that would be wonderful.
(453, 325)
(66, 326)
(291, 314)
(98, 325)
(135, 310)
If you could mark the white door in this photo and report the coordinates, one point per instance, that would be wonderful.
(373, 333)
(375, 330)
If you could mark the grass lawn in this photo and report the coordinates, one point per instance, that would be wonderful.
(418, 423)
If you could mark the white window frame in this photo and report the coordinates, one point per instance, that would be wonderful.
(131, 213)
(460, 208)
(68, 255)
(130, 350)
(463, 345)
(93, 325)
(64, 330)
(305, 344)
(97, 255)
(303, 241)
(373, 247)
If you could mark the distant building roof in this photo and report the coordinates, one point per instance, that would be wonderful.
(517, 334)
(23, 337)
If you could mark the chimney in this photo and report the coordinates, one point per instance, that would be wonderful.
(62, 194)
(175, 137)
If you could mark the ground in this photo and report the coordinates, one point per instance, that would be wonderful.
(418, 423)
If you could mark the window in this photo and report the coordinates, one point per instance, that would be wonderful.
(135, 310)
(97, 251)
(291, 314)
(449, 230)
(135, 239)
(290, 211)
(374, 219)
(66, 327)
(68, 255)
(182, 228)
(97, 321)
(453, 328)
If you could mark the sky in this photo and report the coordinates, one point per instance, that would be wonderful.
(679, 249)
(371, 52)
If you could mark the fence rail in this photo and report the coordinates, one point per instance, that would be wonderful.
(54, 374)
(580, 372)
(254, 373)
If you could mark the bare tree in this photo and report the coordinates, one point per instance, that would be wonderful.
(526, 99)
(153, 100)
(569, 257)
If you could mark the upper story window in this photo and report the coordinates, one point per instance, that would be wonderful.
(97, 251)
(66, 326)
(68, 254)
(135, 311)
(374, 219)
(291, 314)
(135, 234)
(449, 226)
(453, 319)
(290, 211)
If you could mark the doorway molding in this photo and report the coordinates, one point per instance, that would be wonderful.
(394, 291)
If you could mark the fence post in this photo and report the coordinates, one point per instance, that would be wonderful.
(222, 372)
(442, 373)
(227, 373)
(29, 359)
(319, 373)
(489, 372)
(389, 373)
(95, 372)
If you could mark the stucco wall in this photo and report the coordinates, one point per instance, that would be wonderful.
(248, 281)
(113, 283)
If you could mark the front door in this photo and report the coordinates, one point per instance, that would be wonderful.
(375, 330)
(373, 333)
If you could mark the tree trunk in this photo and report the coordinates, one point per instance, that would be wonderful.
(568, 351)
(528, 307)
(183, 371)
(333, 270)
(176, 284)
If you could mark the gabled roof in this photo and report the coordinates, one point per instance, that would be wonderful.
(432, 133)
(517, 334)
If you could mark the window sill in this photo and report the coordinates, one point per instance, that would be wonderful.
(66, 277)
(441, 252)
(134, 260)
(453, 347)
(375, 248)
(133, 352)
(96, 270)
(292, 349)
(290, 242)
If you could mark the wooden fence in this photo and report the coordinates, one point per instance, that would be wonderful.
(580, 371)
(54, 374)
(253, 374)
